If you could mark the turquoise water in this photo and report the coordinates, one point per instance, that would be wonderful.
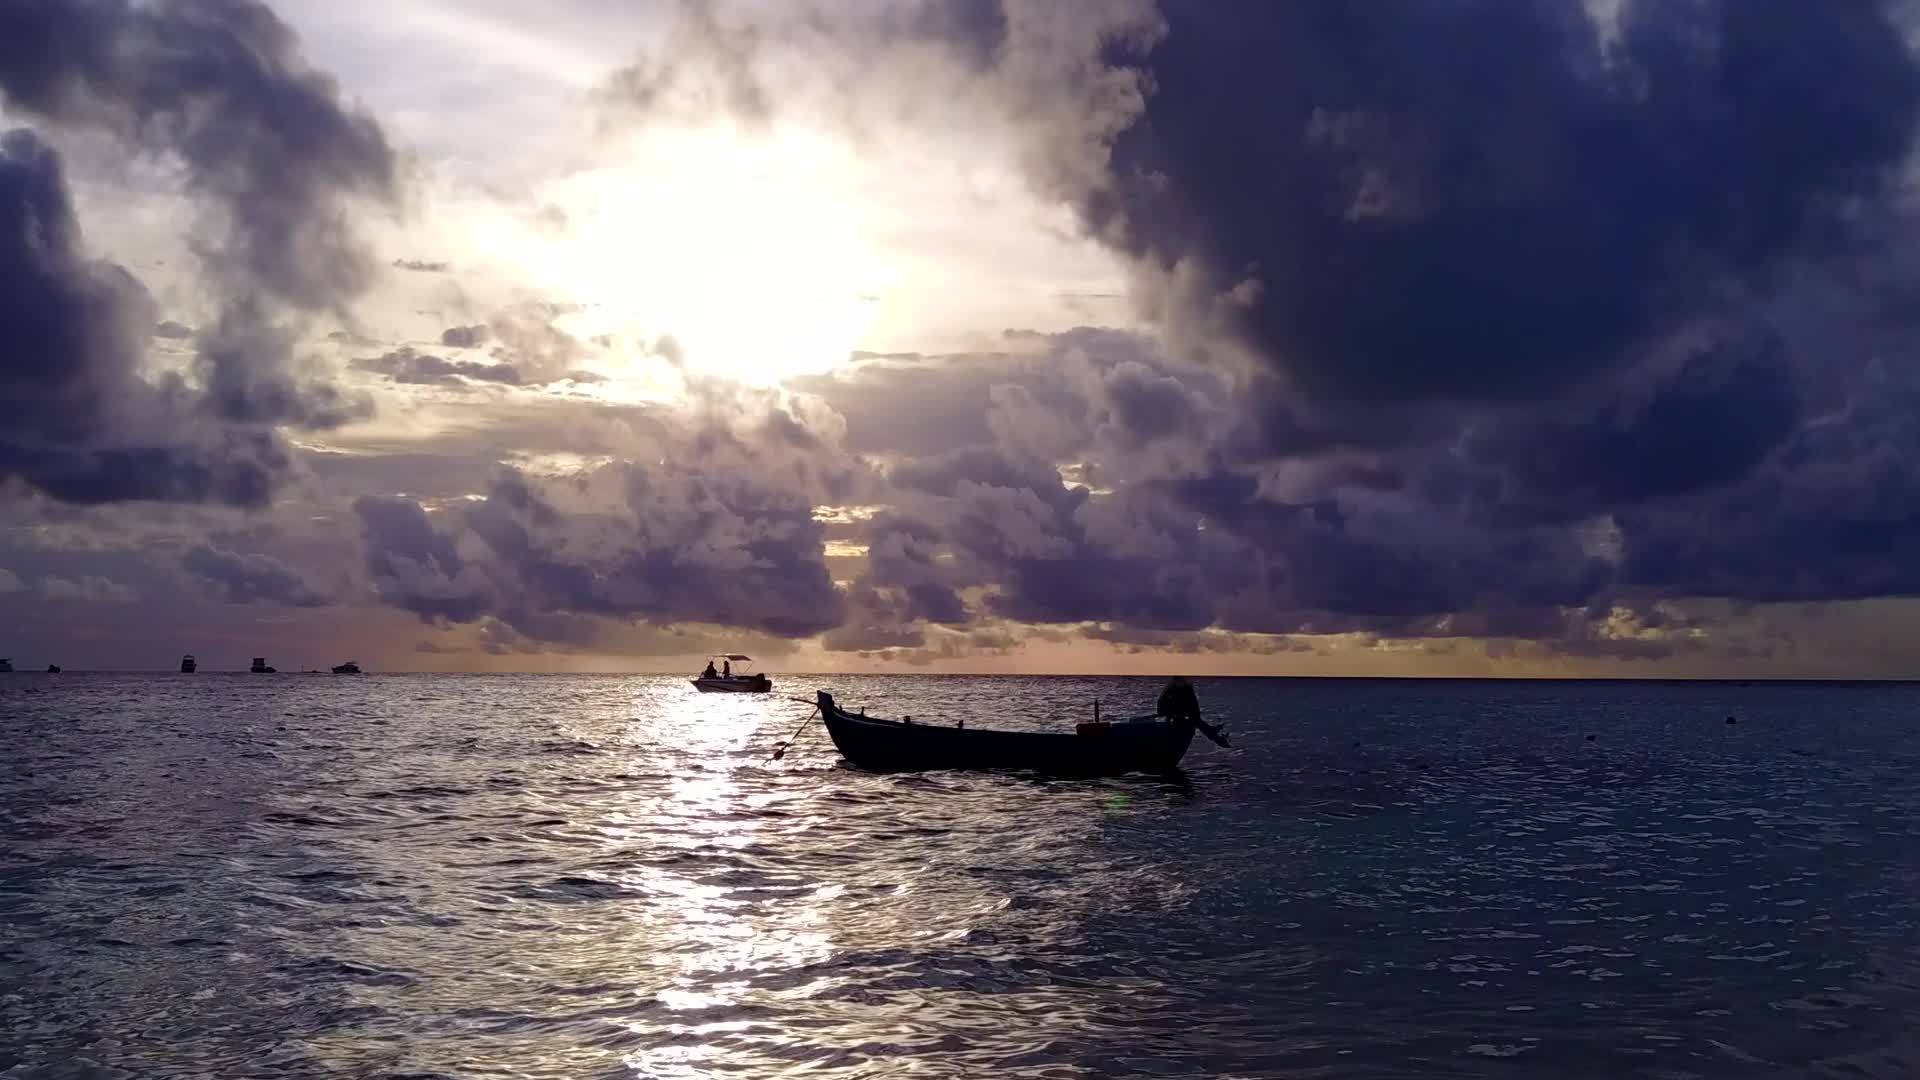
(558, 876)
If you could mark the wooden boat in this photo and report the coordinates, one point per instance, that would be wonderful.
(1096, 749)
(733, 682)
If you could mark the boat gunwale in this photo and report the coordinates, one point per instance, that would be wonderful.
(1121, 728)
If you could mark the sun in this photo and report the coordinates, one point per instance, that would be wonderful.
(746, 249)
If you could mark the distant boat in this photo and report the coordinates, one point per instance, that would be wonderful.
(53, 669)
(348, 668)
(260, 666)
(1096, 749)
(187, 664)
(729, 681)
(5, 665)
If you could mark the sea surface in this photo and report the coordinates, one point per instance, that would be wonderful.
(560, 876)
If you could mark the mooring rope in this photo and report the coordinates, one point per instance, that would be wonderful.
(780, 749)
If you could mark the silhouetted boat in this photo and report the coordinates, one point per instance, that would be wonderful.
(188, 665)
(53, 669)
(348, 668)
(5, 665)
(260, 666)
(731, 682)
(1096, 749)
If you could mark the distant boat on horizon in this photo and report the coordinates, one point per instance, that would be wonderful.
(5, 664)
(53, 669)
(188, 665)
(260, 667)
(348, 668)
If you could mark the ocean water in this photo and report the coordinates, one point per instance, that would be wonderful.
(555, 876)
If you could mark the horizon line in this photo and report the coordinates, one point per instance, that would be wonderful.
(1736, 679)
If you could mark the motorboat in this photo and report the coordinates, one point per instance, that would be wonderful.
(188, 665)
(1099, 748)
(727, 679)
(261, 667)
(348, 668)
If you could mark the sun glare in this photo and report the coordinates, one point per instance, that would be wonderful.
(746, 250)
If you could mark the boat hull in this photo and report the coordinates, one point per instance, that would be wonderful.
(733, 686)
(899, 746)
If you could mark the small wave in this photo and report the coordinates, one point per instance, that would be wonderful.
(334, 969)
(575, 890)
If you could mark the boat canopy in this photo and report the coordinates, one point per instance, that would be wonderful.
(733, 656)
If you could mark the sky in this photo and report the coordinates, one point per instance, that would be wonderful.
(1419, 337)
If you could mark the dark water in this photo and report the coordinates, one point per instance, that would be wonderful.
(598, 877)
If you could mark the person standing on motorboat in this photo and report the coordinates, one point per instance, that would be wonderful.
(1180, 704)
(726, 668)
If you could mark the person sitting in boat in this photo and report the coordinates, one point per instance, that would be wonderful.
(1179, 703)
(709, 673)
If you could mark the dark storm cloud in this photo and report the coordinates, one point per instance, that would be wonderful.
(914, 405)
(1056, 392)
(250, 578)
(221, 85)
(1499, 308)
(1147, 405)
(1703, 426)
(1832, 516)
(405, 365)
(274, 159)
(1510, 278)
(246, 370)
(1488, 200)
(77, 419)
(415, 566)
(708, 519)
(75, 328)
(664, 544)
(1345, 548)
(875, 621)
(983, 517)
(464, 337)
